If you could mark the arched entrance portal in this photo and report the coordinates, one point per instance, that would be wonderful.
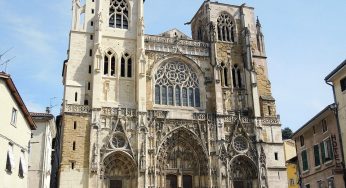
(119, 170)
(243, 172)
(182, 161)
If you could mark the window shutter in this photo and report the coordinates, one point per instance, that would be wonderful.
(10, 152)
(305, 160)
(317, 155)
(323, 152)
(330, 149)
(24, 165)
(8, 163)
(20, 169)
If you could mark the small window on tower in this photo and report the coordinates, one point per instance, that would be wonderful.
(276, 155)
(75, 96)
(269, 110)
(92, 11)
(91, 23)
(91, 37)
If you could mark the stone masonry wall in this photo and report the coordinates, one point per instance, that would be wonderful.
(81, 137)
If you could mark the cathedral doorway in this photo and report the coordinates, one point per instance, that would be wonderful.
(171, 181)
(187, 181)
(182, 161)
(119, 170)
(243, 172)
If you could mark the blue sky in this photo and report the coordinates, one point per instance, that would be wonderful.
(305, 40)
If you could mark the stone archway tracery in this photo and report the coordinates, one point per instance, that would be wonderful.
(120, 170)
(243, 172)
(182, 154)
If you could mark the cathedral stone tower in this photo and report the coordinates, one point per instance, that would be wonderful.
(167, 110)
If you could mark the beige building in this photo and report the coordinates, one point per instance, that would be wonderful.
(168, 110)
(319, 151)
(291, 163)
(337, 79)
(289, 149)
(15, 131)
(41, 150)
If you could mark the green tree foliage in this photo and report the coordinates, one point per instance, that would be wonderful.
(286, 133)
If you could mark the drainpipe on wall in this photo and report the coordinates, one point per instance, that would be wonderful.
(339, 134)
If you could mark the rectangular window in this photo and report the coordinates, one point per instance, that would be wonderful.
(90, 52)
(89, 86)
(89, 69)
(91, 37)
(92, 11)
(304, 156)
(164, 95)
(301, 138)
(184, 94)
(74, 125)
(324, 126)
(191, 96)
(14, 116)
(307, 185)
(317, 155)
(197, 99)
(92, 23)
(276, 155)
(170, 95)
(157, 95)
(72, 165)
(330, 182)
(343, 84)
(326, 150)
(319, 184)
(177, 96)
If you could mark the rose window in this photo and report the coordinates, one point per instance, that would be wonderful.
(118, 141)
(176, 84)
(240, 144)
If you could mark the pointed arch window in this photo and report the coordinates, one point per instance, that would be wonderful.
(237, 78)
(126, 66)
(119, 14)
(224, 75)
(176, 84)
(109, 67)
(225, 28)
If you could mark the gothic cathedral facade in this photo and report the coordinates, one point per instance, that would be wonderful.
(168, 110)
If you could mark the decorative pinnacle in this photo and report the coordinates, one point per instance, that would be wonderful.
(258, 23)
